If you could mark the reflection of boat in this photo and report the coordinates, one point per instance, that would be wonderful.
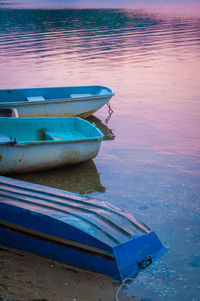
(70, 228)
(57, 101)
(28, 144)
(107, 133)
(82, 178)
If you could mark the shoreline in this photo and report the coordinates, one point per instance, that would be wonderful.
(28, 277)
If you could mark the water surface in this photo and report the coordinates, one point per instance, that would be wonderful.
(151, 59)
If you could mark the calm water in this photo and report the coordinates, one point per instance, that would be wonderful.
(151, 59)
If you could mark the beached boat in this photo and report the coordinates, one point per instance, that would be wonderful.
(79, 101)
(74, 229)
(30, 144)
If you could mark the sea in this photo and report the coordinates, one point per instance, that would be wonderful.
(148, 53)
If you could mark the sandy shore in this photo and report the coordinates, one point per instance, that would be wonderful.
(28, 277)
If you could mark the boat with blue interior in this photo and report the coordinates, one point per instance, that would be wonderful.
(31, 144)
(81, 101)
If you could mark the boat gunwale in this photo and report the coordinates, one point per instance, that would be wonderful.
(56, 100)
(60, 141)
(59, 100)
(98, 137)
(53, 88)
(85, 248)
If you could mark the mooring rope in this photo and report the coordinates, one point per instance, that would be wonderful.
(120, 287)
(110, 112)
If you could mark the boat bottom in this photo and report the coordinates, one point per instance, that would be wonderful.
(82, 256)
(125, 260)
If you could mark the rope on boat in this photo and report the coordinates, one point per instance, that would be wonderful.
(110, 112)
(143, 264)
(120, 287)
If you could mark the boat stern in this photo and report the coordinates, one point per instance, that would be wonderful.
(136, 254)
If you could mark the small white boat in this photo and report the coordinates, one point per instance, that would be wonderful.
(80, 101)
(31, 144)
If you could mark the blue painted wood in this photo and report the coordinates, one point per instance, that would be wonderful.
(74, 229)
(79, 101)
(29, 144)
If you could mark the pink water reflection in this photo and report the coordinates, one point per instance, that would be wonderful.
(150, 59)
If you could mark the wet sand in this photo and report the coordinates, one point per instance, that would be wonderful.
(28, 277)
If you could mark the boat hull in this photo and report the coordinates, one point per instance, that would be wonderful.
(44, 143)
(50, 102)
(21, 158)
(74, 229)
(120, 263)
(59, 108)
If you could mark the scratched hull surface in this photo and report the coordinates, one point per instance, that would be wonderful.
(55, 102)
(71, 228)
(30, 144)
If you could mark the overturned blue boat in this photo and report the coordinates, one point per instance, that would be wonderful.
(74, 229)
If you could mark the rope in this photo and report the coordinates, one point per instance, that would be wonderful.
(110, 112)
(120, 287)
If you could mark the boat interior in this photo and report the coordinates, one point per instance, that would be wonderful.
(46, 129)
(45, 94)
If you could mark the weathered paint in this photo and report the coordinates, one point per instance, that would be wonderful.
(57, 101)
(75, 140)
(71, 228)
